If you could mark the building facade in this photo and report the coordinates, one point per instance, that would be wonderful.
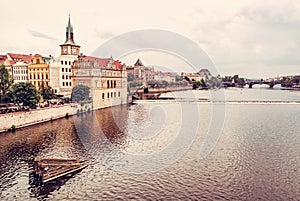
(165, 76)
(106, 78)
(20, 71)
(17, 65)
(60, 68)
(39, 72)
(141, 72)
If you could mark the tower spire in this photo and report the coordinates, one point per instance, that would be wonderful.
(69, 33)
(69, 47)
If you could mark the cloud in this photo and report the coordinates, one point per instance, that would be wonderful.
(41, 35)
(104, 34)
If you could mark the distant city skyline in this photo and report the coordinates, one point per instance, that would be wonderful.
(252, 39)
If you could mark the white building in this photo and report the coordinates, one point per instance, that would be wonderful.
(60, 69)
(20, 71)
(17, 65)
(106, 78)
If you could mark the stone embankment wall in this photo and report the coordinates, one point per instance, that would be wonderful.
(163, 90)
(27, 118)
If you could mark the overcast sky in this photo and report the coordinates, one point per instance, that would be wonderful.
(250, 38)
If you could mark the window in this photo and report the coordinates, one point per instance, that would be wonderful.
(63, 77)
(62, 70)
(62, 62)
(107, 95)
(115, 84)
(70, 70)
(70, 83)
(103, 95)
(111, 94)
(66, 63)
(67, 83)
(63, 83)
(37, 61)
(107, 83)
(69, 62)
(119, 94)
(46, 76)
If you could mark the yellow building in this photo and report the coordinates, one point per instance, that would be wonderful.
(38, 72)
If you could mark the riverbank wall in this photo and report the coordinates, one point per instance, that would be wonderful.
(36, 116)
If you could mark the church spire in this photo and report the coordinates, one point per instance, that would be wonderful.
(69, 33)
(69, 47)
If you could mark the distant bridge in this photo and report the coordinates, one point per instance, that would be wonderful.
(270, 83)
(250, 83)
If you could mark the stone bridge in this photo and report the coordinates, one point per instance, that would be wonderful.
(270, 83)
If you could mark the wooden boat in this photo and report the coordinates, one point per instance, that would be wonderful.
(48, 169)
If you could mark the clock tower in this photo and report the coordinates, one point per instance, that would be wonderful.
(70, 47)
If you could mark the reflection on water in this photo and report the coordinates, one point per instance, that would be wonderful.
(256, 157)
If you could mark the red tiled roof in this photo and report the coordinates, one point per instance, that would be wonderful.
(22, 57)
(192, 75)
(5, 61)
(118, 65)
(3, 57)
(101, 61)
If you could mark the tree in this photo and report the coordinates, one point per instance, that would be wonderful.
(80, 93)
(47, 93)
(22, 94)
(130, 77)
(5, 81)
(187, 79)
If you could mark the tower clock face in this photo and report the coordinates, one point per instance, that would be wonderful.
(74, 51)
(65, 50)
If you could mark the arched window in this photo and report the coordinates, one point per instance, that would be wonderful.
(107, 83)
(103, 95)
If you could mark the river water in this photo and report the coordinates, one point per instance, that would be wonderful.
(243, 144)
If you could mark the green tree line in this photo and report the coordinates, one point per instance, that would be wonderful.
(23, 94)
